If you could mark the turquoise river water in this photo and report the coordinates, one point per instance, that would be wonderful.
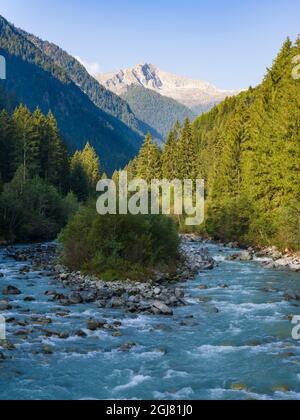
(197, 354)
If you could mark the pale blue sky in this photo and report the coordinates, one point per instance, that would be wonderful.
(229, 42)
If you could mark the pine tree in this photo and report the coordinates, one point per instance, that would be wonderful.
(7, 146)
(57, 161)
(186, 161)
(148, 163)
(170, 157)
(91, 164)
(79, 182)
(29, 142)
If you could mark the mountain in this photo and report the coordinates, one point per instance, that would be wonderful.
(36, 80)
(103, 98)
(156, 110)
(199, 96)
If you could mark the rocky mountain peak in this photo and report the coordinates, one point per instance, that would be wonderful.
(198, 95)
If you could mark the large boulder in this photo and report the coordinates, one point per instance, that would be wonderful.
(162, 308)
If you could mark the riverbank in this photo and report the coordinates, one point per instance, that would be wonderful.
(270, 257)
(155, 296)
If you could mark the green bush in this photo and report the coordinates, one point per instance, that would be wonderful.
(116, 247)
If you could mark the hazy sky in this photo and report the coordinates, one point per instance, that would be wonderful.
(229, 42)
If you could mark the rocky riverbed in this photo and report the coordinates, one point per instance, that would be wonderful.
(270, 257)
(154, 296)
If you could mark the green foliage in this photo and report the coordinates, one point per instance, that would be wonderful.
(148, 162)
(34, 169)
(249, 154)
(247, 149)
(32, 210)
(32, 140)
(155, 110)
(79, 181)
(85, 173)
(116, 247)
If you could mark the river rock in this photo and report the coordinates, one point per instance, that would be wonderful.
(127, 347)
(81, 334)
(47, 349)
(162, 308)
(245, 256)
(211, 309)
(94, 325)
(90, 297)
(24, 270)
(11, 290)
(204, 299)
(290, 295)
(5, 307)
(29, 299)
(50, 293)
(239, 387)
(202, 287)
(117, 334)
(64, 335)
(75, 298)
(179, 293)
(116, 303)
(23, 333)
(281, 388)
(41, 321)
(8, 346)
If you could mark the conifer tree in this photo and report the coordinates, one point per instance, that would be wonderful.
(170, 157)
(148, 163)
(79, 182)
(186, 165)
(29, 142)
(90, 164)
(7, 146)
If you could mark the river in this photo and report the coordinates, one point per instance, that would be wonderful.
(243, 351)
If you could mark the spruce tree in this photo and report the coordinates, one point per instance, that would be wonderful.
(148, 163)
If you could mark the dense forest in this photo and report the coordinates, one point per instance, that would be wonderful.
(248, 151)
(40, 185)
(158, 111)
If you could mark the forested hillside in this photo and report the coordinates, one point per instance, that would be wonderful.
(158, 111)
(106, 100)
(40, 185)
(248, 151)
(35, 80)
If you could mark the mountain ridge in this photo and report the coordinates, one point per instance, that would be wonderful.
(35, 80)
(199, 96)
